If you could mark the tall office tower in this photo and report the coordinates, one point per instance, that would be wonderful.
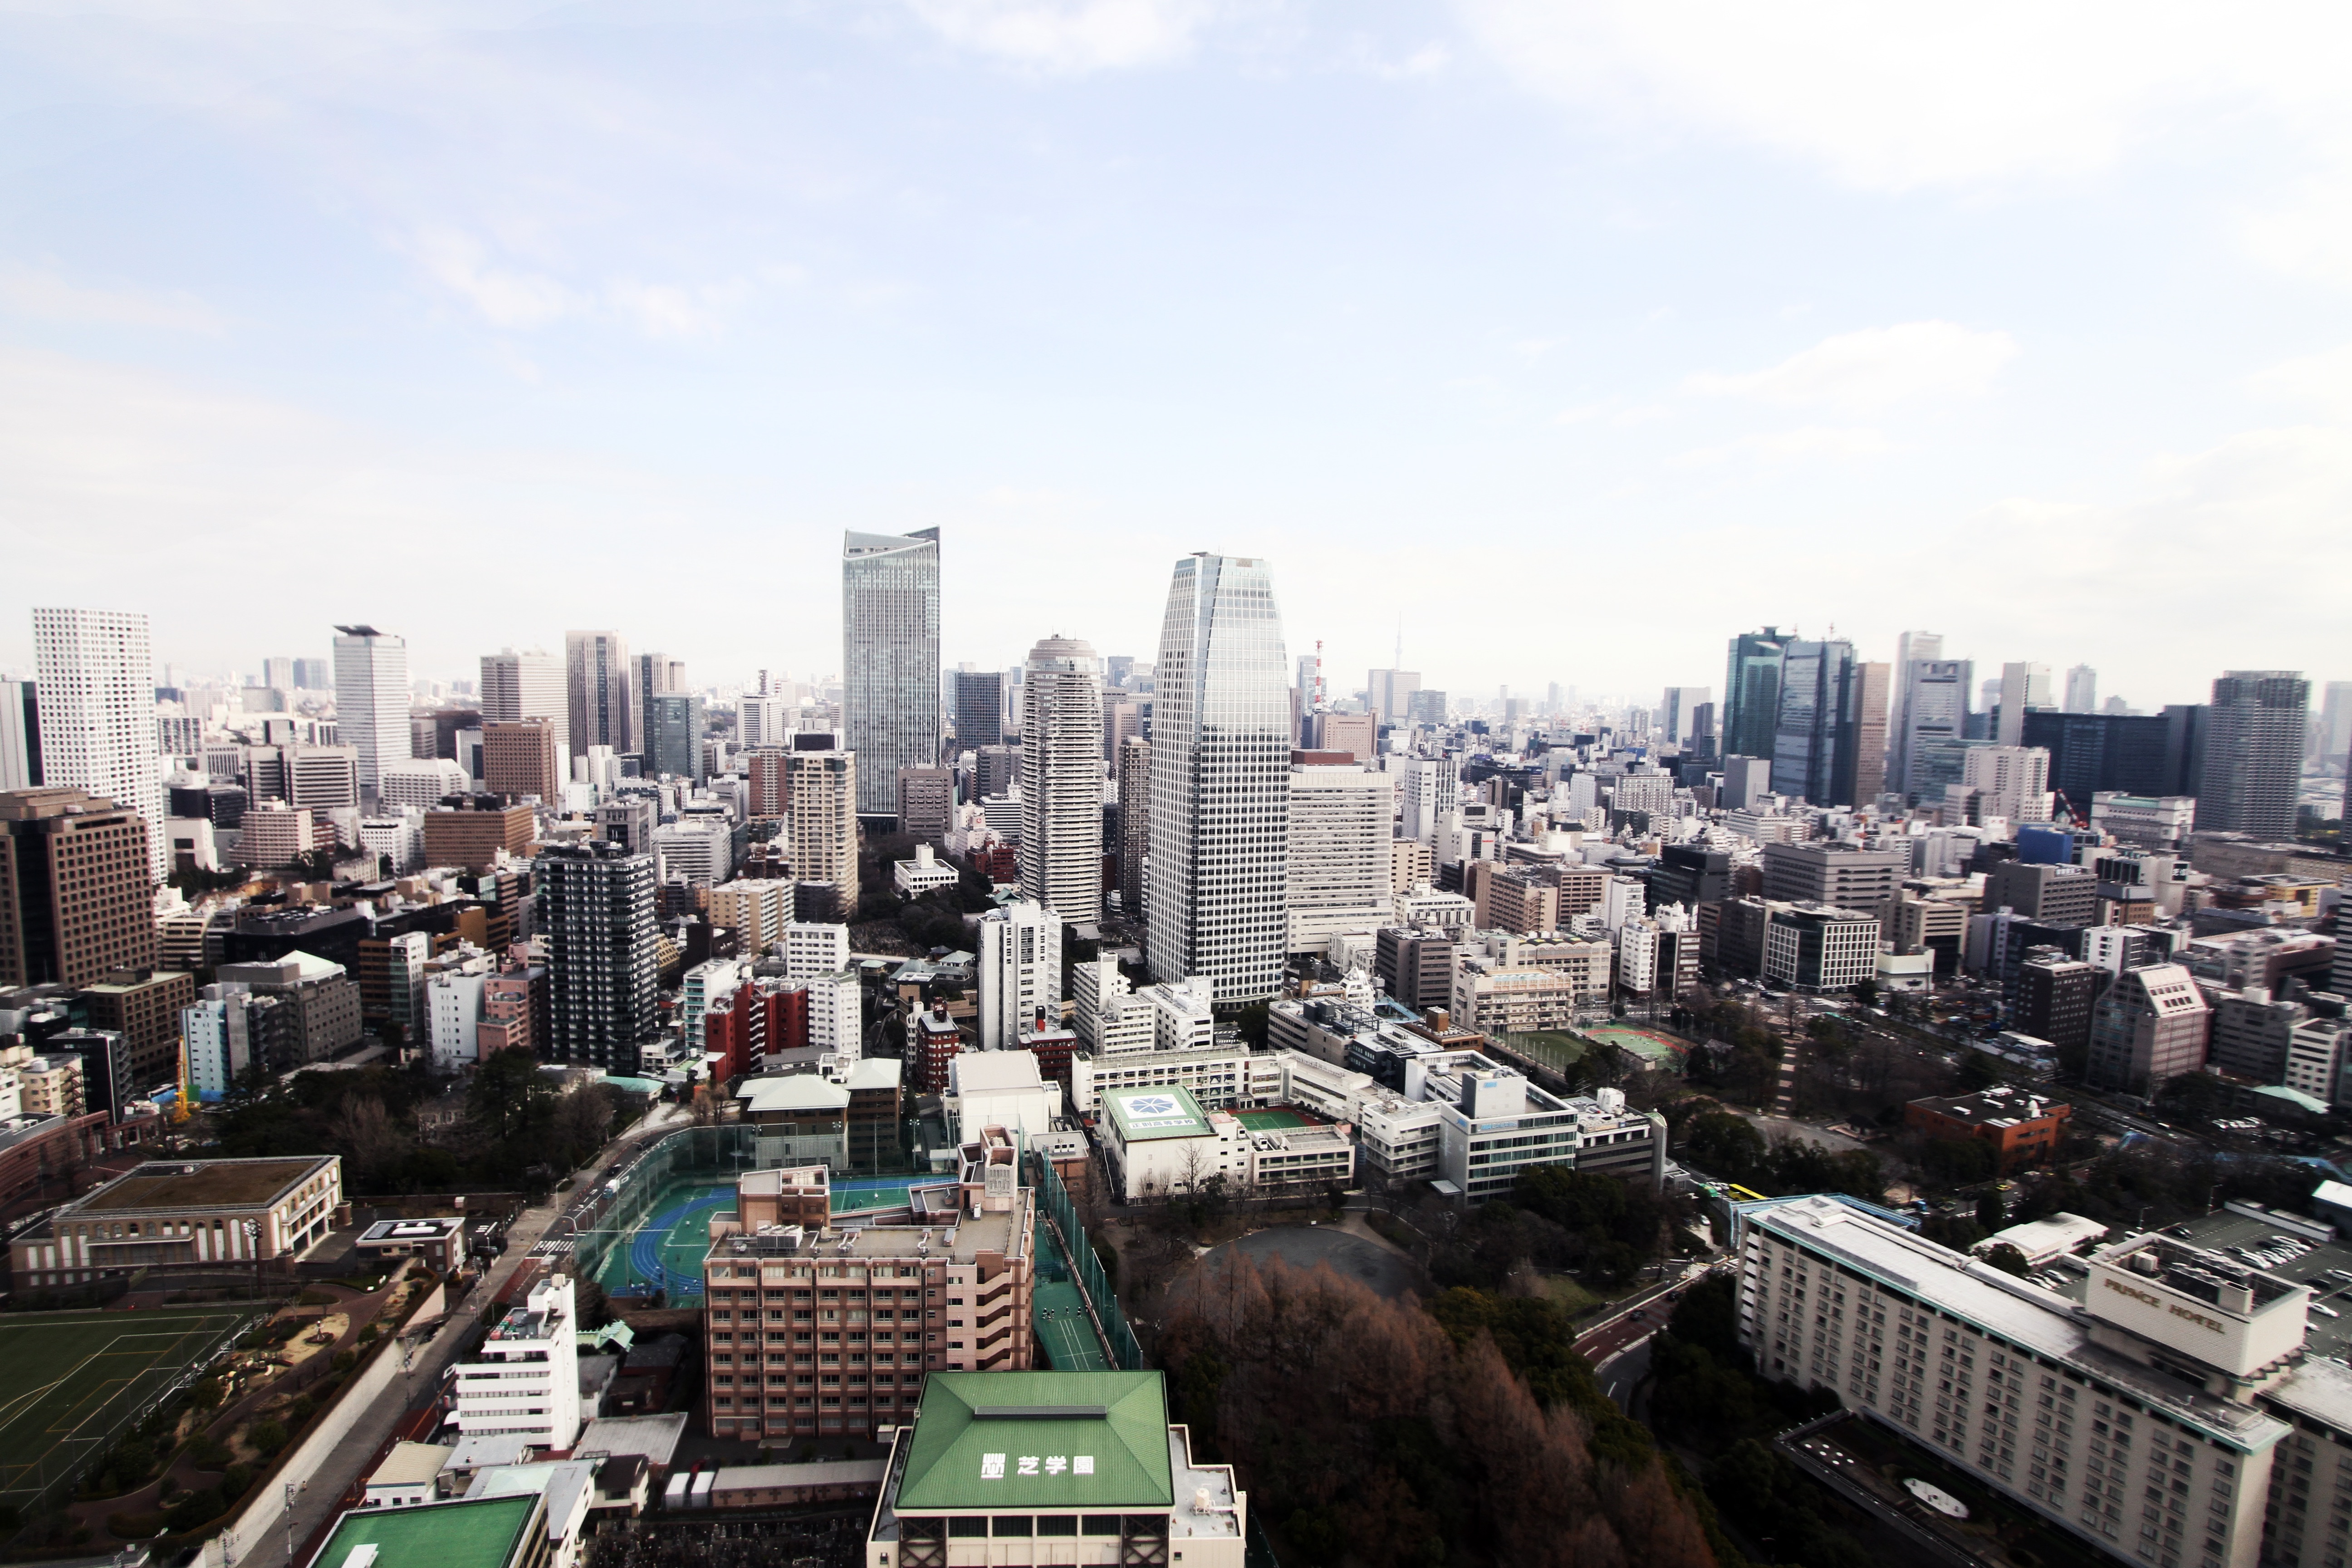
(2011, 781)
(1860, 770)
(1340, 834)
(890, 659)
(1220, 781)
(278, 673)
(976, 702)
(2335, 721)
(599, 692)
(2082, 690)
(764, 718)
(1814, 731)
(2254, 754)
(1751, 693)
(520, 760)
(2022, 686)
(1908, 647)
(1430, 786)
(657, 674)
(1935, 709)
(821, 783)
(1020, 972)
(596, 911)
(2094, 752)
(1676, 709)
(1389, 692)
(312, 675)
(674, 735)
(76, 899)
(1121, 717)
(20, 735)
(1061, 790)
(372, 701)
(96, 712)
(1134, 761)
(529, 685)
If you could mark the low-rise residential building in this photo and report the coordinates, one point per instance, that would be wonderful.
(523, 1386)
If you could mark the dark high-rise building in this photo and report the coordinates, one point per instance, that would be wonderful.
(1751, 693)
(2092, 751)
(1134, 822)
(596, 909)
(2054, 994)
(674, 735)
(2185, 725)
(20, 734)
(1816, 737)
(977, 706)
(2254, 754)
(1690, 876)
(75, 899)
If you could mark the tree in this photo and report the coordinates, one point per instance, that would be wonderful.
(2006, 1258)
(368, 1138)
(507, 1091)
(1252, 1022)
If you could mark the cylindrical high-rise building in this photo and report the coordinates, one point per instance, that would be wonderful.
(890, 659)
(372, 701)
(1220, 781)
(95, 705)
(1062, 780)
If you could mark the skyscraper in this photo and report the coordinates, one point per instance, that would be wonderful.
(20, 734)
(821, 783)
(530, 685)
(1908, 647)
(372, 701)
(1134, 823)
(76, 895)
(1934, 716)
(890, 659)
(1389, 692)
(94, 697)
(674, 735)
(600, 690)
(657, 674)
(2335, 722)
(1752, 694)
(1062, 780)
(1341, 851)
(2022, 686)
(1020, 972)
(2254, 754)
(1220, 780)
(1675, 712)
(596, 911)
(978, 706)
(2082, 690)
(1861, 769)
(1814, 733)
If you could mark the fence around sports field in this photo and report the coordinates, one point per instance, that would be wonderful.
(1086, 1269)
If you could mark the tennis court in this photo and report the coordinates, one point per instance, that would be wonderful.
(1270, 1121)
(81, 1375)
(1065, 1332)
(1657, 1048)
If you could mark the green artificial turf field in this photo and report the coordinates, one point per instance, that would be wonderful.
(79, 1377)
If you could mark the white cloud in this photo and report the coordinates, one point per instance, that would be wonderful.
(1810, 443)
(46, 297)
(1873, 369)
(504, 297)
(1069, 35)
(1897, 97)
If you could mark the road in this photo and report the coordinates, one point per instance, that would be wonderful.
(1619, 1346)
(324, 1492)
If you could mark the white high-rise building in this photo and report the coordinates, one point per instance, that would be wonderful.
(95, 694)
(2082, 690)
(1220, 781)
(1935, 717)
(2022, 686)
(890, 659)
(1430, 786)
(420, 781)
(835, 1020)
(1020, 972)
(2011, 783)
(525, 1382)
(1341, 873)
(529, 685)
(814, 947)
(1062, 780)
(600, 691)
(372, 701)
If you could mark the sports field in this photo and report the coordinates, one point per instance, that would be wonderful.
(81, 1375)
(1269, 1121)
(665, 1251)
(1657, 1047)
(1063, 1331)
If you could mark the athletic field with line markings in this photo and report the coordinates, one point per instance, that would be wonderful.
(76, 1376)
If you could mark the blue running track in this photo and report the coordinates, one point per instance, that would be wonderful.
(645, 1245)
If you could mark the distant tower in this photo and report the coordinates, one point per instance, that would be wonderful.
(601, 690)
(519, 685)
(1062, 780)
(372, 701)
(2082, 690)
(890, 659)
(1220, 781)
(2254, 754)
(95, 700)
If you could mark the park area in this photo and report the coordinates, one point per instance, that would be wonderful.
(80, 1376)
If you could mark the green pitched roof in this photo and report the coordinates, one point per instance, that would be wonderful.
(1162, 1111)
(484, 1532)
(1014, 1441)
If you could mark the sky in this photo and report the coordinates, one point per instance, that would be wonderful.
(1562, 338)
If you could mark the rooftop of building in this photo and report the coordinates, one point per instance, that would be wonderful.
(951, 1235)
(1022, 1441)
(652, 1437)
(471, 1532)
(204, 1184)
(984, 1072)
(779, 1092)
(2324, 1266)
(1997, 1107)
(410, 1465)
(1164, 1112)
(432, 1228)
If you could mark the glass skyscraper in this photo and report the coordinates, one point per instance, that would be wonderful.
(890, 659)
(1813, 739)
(1220, 781)
(1752, 694)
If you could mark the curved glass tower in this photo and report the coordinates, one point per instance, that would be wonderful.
(1220, 781)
